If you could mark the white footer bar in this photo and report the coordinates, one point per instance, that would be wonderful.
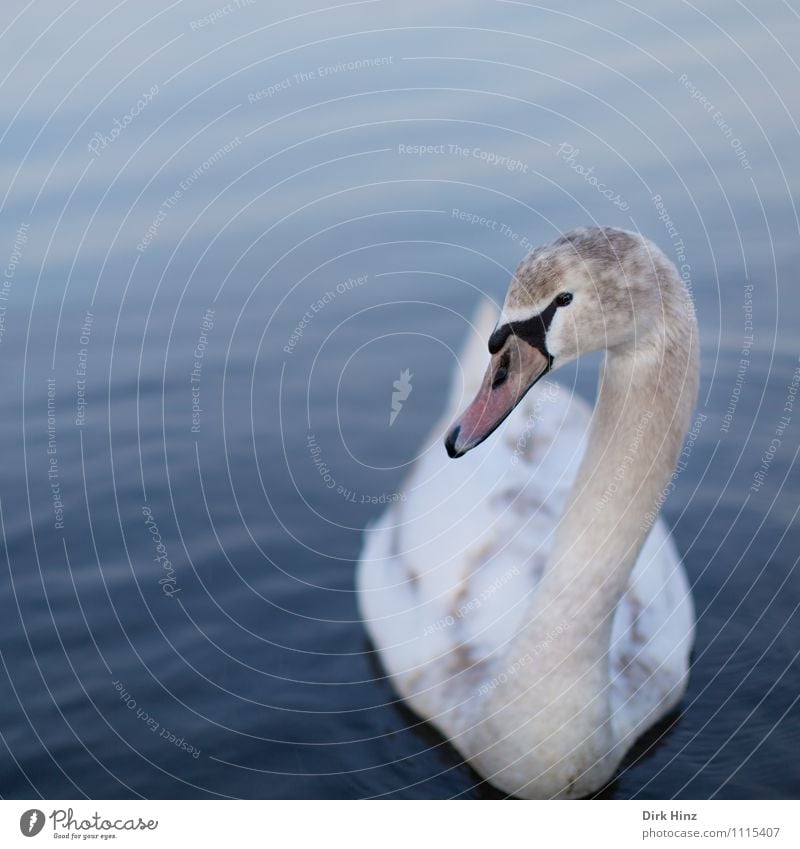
(405, 825)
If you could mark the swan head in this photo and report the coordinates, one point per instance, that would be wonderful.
(591, 289)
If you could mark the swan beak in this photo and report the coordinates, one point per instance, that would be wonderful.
(512, 372)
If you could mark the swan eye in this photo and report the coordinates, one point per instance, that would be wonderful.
(564, 299)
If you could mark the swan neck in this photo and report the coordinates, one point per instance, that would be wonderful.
(645, 400)
(646, 396)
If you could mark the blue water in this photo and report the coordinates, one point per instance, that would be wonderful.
(155, 395)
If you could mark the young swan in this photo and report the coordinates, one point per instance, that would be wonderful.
(521, 607)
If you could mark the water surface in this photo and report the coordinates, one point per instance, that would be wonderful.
(265, 178)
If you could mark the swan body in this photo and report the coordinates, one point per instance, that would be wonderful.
(524, 600)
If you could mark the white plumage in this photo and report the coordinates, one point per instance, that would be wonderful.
(448, 578)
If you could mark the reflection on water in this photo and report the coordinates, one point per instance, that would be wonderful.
(226, 239)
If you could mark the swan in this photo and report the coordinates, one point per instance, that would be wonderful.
(527, 601)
